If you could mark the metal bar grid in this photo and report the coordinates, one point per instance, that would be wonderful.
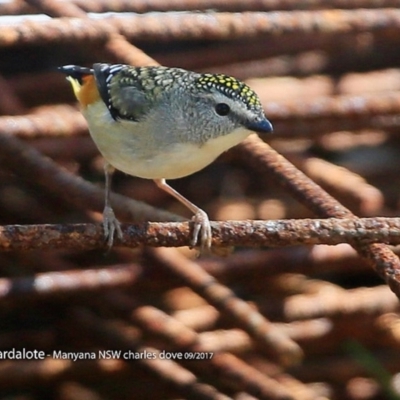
(268, 324)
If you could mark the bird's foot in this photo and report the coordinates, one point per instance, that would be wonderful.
(202, 226)
(111, 225)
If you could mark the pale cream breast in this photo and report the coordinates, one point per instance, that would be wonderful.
(131, 150)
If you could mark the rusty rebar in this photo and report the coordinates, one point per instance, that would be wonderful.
(55, 8)
(211, 26)
(307, 286)
(224, 299)
(115, 45)
(274, 233)
(345, 185)
(144, 6)
(51, 283)
(263, 157)
(357, 301)
(35, 168)
(227, 5)
(28, 373)
(317, 259)
(167, 370)
(10, 103)
(182, 338)
(61, 120)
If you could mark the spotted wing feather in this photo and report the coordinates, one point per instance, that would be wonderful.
(123, 97)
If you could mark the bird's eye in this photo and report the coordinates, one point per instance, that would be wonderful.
(222, 109)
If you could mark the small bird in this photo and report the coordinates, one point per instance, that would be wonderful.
(163, 123)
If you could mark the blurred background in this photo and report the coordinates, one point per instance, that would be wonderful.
(297, 322)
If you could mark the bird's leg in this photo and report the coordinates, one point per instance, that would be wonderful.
(200, 218)
(110, 222)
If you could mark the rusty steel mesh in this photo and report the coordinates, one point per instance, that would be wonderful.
(303, 304)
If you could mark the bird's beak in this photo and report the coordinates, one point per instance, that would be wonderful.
(263, 126)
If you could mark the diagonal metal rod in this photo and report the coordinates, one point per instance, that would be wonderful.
(268, 161)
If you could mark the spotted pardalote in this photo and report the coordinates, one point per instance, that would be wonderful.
(163, 123)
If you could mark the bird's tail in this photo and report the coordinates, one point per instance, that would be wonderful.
(78, 77)
(75, 72)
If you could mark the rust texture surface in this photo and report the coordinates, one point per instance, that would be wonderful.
(299, 298)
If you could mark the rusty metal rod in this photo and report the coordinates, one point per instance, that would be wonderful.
(58, 120)
(362, 301)
(182, 338)
(274, 233)
(33, 167)
(72, 281)
(168, 371)
(144, 6)
(264, 158)
(199, 26)
(272, 340)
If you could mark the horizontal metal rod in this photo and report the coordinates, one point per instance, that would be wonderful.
(273, 233)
